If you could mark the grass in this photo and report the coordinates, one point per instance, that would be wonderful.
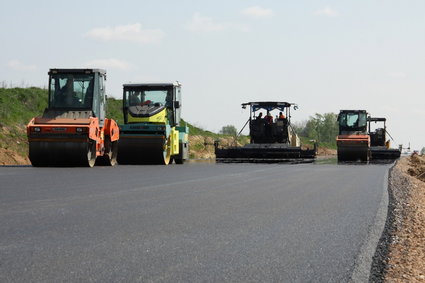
(19, 105)
(114, 110)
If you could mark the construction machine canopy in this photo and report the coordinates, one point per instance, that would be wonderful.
(149, 99)
(352, 121)
(268, 105)
(153, 93)
(72, 88)
(76, 91)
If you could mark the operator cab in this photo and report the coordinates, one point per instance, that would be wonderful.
(274, 129)
(378, 135)
(352, 122)
(148, 100)
(76, 93)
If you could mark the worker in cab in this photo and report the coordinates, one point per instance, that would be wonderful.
(281, 116)
(135, 98)
(269, 118)
(69, 98)
(260, 116)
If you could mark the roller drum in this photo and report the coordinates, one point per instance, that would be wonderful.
(47, 153)
(353, 153)
(142, 150)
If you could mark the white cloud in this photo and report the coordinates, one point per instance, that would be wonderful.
(257, 12)
(397, 75)
(19, 66)
(328, 12)
(110, 63)
(200, 23)
(132, 32)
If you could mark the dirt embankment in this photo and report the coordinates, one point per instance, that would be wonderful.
(10, 157)
(405, 256)
(13, 145)
(322, 151)
(202, 147)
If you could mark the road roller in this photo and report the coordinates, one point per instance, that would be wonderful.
(73, 130)
(152, 132)
(353, 140)
(380, 148)
(272, 139)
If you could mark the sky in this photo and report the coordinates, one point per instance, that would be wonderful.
(322, 55)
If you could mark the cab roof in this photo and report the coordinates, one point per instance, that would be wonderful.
(268, 104)
(167, 84)
(76, 71)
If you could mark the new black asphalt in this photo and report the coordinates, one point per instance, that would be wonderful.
(188, 223)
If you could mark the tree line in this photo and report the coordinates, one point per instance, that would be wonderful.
(320, 127)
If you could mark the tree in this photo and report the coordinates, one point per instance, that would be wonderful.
(229, 130)
(321, 127)
(423, 151)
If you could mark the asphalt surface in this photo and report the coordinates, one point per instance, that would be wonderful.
(187, 223)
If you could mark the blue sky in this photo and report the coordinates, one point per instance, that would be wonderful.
(323, 55)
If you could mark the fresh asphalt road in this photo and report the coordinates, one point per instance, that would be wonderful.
(187, 223)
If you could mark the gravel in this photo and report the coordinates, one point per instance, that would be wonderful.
(400, 253)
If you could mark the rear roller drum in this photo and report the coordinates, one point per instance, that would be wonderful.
(144, 151)
(166, 155)
(110, 156)
(91, 154)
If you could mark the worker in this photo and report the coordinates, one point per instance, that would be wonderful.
(135, 98)
(268, 117)
(69, 97)
(260, 116)
(281, 116)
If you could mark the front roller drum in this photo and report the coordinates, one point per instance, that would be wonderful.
(143, 150)
(353, 153)
(62, 154)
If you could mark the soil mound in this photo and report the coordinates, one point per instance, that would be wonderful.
(10, 157)
(417, 167)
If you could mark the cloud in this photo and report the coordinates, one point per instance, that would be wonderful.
(132, 33)
(200, 23)
(397, 75)
(328, 12)
(19, 66)
(257, 12)
(110, 63)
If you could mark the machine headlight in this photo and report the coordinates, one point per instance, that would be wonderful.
(80, 130)
(36, 129)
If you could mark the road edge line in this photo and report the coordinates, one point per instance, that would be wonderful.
(363, 262)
